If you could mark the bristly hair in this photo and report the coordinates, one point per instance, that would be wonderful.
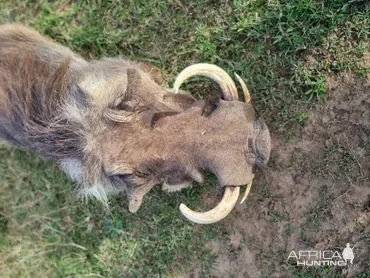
(32, 96)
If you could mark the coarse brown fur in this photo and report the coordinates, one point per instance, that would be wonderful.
(111, 126)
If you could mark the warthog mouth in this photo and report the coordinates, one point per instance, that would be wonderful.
(230, 93)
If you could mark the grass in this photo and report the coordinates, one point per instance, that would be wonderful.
(284, 49)
(336, 163)
(288, 231)
(43, 226)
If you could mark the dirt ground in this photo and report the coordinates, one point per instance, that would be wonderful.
(314, 195)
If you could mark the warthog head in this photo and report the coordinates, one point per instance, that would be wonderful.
(154, 136)
(112, 126)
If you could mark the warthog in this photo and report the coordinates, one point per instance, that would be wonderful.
(111, 126)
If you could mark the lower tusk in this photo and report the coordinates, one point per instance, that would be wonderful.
(246, 193)
(214, 215)
(247, 96)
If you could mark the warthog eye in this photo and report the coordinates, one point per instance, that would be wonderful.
(160, 115)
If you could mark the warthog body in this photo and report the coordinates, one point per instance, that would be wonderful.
(111, 126)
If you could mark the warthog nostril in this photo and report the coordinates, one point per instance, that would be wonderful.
(251, 146)
(262, 143)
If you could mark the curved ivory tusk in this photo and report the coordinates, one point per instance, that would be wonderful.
(246, 193)
(214, 72)
(247, 96)
(226, 205)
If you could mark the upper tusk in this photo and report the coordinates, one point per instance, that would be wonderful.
(247, 96)
(214, 72)
(226, 205)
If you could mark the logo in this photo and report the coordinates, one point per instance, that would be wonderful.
(348, 254)
(322, 258)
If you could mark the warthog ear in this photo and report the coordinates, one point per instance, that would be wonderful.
(153, 172)
(136, 195)
(125, 98)
(134, 81)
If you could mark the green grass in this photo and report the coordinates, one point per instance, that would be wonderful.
(284, 49)
(44, 227)
(336, 162)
